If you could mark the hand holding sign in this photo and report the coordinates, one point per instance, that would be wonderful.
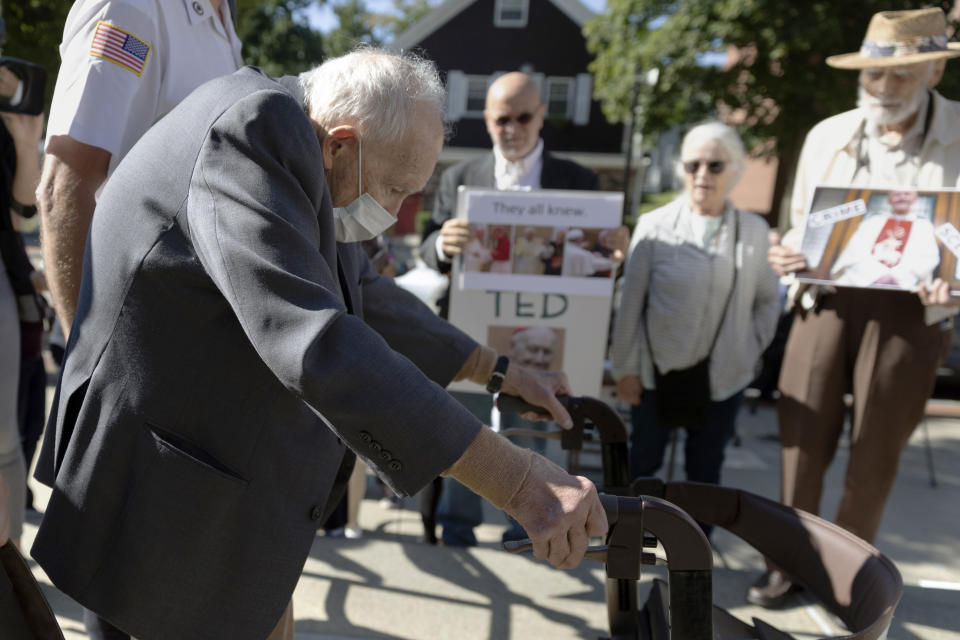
(617, 240)
(453, 236)
(783, 259)
(937, 292)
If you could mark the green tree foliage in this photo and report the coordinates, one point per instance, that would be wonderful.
(355, 26)
(277, 37)
(779, 81)
(34, 31)
(401, 18)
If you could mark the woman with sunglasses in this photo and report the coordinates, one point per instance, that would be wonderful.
(698, 294)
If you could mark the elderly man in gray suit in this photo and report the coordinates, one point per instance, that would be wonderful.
(233, 346)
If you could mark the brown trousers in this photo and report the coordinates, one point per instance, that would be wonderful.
(875, 345)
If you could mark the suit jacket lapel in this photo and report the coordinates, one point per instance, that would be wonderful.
(343, 281)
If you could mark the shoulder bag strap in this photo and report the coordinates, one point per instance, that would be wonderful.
(733, 283)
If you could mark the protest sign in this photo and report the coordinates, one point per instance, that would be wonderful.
(881, 238)
(547, 303)
(551, 241)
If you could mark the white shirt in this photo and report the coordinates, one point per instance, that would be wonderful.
(702, 229)
(105, 104)
(521, 174)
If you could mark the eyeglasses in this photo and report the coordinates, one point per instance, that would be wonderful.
(523, 118)
(713, 166)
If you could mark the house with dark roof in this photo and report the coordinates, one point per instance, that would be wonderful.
(474, 41)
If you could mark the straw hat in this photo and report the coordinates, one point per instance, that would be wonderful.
(901, 37)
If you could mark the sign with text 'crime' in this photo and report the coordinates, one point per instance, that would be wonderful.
(890, 237)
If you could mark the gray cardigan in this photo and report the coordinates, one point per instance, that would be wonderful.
(687, 289)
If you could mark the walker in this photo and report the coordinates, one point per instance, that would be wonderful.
(850, 577)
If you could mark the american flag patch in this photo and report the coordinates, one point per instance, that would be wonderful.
(119, 47)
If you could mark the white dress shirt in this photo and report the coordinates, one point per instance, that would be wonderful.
(521, 174)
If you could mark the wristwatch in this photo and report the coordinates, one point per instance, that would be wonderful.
(499, 373)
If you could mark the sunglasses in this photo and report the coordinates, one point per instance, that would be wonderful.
(523, 118)
(714, 166)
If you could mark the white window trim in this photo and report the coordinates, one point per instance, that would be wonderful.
(581, 109)
(466, 113)
(571, 84)
(456, 94)
(520, 23)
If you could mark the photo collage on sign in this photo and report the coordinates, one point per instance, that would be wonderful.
(534, 271)
(538, 251)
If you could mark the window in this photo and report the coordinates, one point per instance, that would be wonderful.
(466, 94)
(510, 13)
(476, 95)
(559, 98)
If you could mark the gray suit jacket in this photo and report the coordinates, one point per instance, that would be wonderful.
(225, 352)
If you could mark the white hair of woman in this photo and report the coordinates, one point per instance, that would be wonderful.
(728, 138)
(375, 90)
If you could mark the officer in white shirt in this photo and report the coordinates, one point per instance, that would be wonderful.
(125, 64)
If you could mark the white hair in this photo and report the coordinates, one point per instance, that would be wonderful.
(728, 138)
(522, 336)
(375, 90)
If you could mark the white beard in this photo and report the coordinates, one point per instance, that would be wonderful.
(887, 111)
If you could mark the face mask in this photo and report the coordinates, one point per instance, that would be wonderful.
(364, 218)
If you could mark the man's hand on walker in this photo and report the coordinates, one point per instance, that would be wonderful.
(560, 513)
(539, 388)
(784, 260)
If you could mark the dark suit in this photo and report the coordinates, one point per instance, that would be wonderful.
(225, 353)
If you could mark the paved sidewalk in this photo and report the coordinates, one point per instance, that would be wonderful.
(390, 585)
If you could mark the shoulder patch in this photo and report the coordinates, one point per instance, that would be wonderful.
(120, 47)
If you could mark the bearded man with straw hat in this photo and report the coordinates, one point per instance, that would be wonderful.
(883, 346)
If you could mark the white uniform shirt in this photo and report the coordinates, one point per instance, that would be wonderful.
(100, 102)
